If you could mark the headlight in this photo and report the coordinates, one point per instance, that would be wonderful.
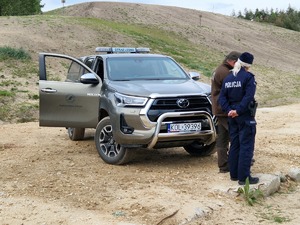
(126, 100)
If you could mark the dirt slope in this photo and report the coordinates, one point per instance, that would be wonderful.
(222, 33)
(48, 179)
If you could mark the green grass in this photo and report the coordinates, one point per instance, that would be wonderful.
(6, 93)
(7, 52)
(34, 96)
(274, 215)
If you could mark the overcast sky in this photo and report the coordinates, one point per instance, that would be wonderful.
(225, 7)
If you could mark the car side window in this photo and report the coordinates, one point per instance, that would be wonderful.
(74, 73)
(89, 62)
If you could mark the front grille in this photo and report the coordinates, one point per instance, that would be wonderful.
(163, 105)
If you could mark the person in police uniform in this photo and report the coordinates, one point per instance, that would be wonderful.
(237, 100)
(222, 142)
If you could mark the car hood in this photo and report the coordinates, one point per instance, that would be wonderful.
(146, 88)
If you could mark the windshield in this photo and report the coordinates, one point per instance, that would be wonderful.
(144, 68)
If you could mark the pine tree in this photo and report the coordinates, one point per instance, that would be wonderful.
(20, 7)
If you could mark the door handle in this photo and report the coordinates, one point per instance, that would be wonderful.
(48, 90)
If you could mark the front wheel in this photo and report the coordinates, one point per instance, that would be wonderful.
(109, 150)
(200, 149)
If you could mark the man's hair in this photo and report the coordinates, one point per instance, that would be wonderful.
(232, 56)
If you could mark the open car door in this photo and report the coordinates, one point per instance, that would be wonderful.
(70, 97)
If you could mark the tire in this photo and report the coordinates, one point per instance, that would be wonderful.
(109, 150)
(200, 149)
(76, 134)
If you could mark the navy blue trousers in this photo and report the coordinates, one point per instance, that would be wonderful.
(242, 130)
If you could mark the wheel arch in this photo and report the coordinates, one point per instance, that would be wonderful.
(102, 114)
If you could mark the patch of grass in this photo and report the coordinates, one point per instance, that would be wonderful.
(274, 215)
(280, 219)
(7, 52)
(251, 196)
(33, 96)
(7, 93)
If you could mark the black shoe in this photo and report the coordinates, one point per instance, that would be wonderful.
(224, 170)
(234, 178)
(252, 180)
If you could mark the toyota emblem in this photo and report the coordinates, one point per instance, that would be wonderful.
(183, 103)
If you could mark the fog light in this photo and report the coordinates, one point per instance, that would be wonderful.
(124, 126)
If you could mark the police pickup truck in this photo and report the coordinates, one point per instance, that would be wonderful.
(133, 99)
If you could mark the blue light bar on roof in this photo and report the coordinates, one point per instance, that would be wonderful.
(122, 50)
(125, 50)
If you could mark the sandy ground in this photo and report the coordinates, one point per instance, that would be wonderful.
(48, 179)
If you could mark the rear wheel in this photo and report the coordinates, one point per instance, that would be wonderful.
(200, 149)
(76, 134)
(109, 150)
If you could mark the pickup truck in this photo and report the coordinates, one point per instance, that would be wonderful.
(132, 98)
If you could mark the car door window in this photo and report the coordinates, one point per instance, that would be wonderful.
(89, 62)
(74, 73)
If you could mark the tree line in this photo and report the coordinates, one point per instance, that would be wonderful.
(289, 19)
(20, 7)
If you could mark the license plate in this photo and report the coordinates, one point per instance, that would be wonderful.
(184, 127)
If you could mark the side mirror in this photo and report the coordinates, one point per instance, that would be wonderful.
(194, 75)
(89, 78)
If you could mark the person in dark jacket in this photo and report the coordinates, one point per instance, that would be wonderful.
(236, 99)
(222, 142)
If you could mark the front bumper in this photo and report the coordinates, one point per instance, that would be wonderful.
(147, 134)
(207, 136)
